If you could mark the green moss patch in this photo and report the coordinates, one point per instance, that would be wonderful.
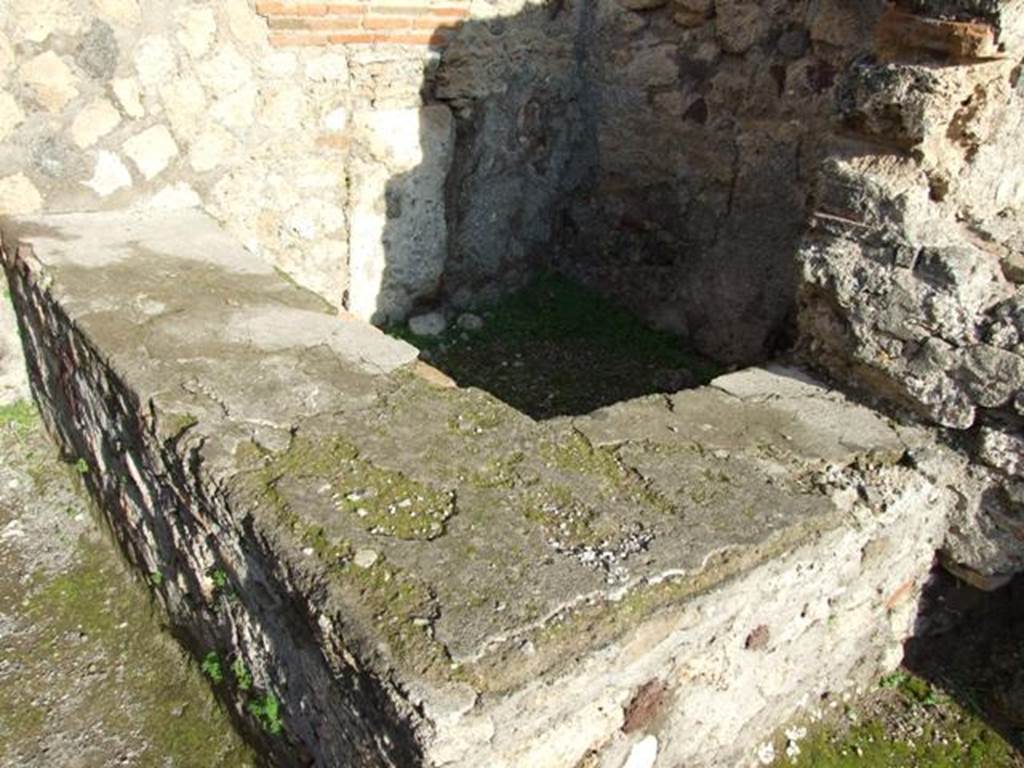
(20, 418)
(403, 610)
(93, 637)
(382, 501)
(907, 722)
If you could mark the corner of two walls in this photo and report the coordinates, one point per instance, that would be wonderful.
(712, 118)
(658, 154)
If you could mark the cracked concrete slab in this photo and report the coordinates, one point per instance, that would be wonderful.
(423, 575)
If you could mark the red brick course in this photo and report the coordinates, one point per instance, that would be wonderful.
(316, 24)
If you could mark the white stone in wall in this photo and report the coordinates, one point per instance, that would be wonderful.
(126, 90)
(36, 20)
(109, 174)
(6, 55)
(155, 61)
(300, 224)
(11, 115)
(176, 197)
(283, 107)
(197, 29)
(316, 171)
(94, 122)
(320, 268)
(398, 235)
(152, 150)
(185, 103)
(336, 120)
(49, 80)
(238, 109)
(123, 12)
(329, 258)
(313, 219)
(18, 195)
(226, 72)
(643, 754)
(213, 147)
(248, 29)
(278, 64)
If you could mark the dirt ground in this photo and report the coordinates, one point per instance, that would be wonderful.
(957, 701)
(555, 349)
(87, 676)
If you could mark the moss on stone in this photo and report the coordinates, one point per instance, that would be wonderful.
(575, 453)
(564, 518)
(600, 622)
(476, 415)
(403, 610)
(138, 681)
(944, 735)
(381, 501)
(499, 472)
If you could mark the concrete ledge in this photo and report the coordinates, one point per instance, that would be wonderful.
(418, 575)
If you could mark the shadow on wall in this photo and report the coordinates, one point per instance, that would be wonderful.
(664, 163)
(475, 177)
(970, 645)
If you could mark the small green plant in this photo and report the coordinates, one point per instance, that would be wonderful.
(212, 668)
(219, 577)
(156, 578)
(243, 677)
(267, 712)
(913, 689)
(894, 680)
(19, 417)
(82, 467)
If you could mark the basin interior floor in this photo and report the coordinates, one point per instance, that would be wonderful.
(555, 348)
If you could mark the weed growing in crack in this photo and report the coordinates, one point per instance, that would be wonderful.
(221, 584)
(219, 577)
(267, 711)
(212, 668)
(243, 677)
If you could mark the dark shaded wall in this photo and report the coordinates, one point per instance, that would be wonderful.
(661, 156)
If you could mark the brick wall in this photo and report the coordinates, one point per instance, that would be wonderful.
(405, 22)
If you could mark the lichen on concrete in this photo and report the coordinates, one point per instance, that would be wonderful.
(381, 501)
(489, 562)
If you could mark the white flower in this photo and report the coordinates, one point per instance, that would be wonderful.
(766, 754)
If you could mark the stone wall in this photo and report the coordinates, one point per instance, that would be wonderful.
(652, 584)
(739, 172)
(710, 117)
(912, 273)
(311, 130)
(113, 103)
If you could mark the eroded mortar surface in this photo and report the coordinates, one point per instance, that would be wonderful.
(406, 567)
